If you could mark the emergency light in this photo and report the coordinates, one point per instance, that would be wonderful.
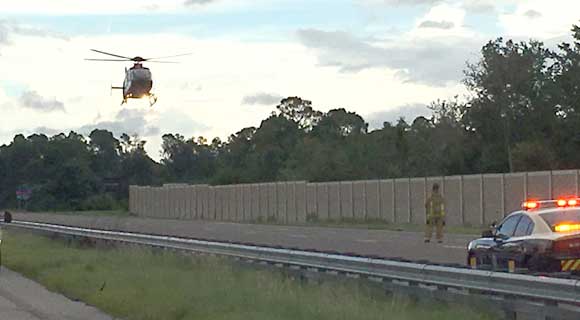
(560, 203)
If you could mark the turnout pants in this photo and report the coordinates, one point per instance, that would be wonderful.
(436, 222)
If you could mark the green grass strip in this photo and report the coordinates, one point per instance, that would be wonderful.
(135, 283)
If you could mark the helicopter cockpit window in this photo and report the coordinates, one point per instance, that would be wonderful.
(141, 74)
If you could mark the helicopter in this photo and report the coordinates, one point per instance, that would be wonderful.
(138, 79)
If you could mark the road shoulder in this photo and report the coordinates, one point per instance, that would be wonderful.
(23, 299)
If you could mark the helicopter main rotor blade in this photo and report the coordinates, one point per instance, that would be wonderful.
(119, 60)
(161, 61)
(111, 54)
(178, 55)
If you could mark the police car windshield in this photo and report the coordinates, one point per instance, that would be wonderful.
(555, 218)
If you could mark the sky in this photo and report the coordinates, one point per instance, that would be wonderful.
(383, 59)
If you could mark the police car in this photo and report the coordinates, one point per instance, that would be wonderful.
(542, 237)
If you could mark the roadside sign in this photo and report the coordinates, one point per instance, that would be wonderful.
(23, 193)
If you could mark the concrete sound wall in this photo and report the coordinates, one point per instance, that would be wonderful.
(453, 200)
(564, 183)
(418, 197)
(493, 198)
(373, 200)
(470, 200)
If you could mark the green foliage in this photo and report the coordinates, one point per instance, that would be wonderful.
(99, 202)
(70, 172)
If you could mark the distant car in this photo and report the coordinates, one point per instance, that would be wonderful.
(542, 237)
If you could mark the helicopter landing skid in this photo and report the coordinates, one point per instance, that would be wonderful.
(152, 99)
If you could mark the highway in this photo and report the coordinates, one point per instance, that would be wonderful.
(390, 244)
(23, 299)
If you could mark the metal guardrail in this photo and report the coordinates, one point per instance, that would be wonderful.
(544, 290)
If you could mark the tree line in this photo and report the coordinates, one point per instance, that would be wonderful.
(522, 113)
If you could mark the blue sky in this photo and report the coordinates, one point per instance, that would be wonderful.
(283, 19)
(379, 58)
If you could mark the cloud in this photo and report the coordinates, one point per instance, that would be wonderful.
(177, 121)
(437, 24)
(47, 131)
(408, 112)
(132, 122)
(549, 19)
(411, 2)
(533, 14)
(129, 121)
(198, 2)
(3, 33)
(428, 61)
(479, 6)
(32, 100)
(266, 99)
(125, 121)
(9, 27)
(101, 7)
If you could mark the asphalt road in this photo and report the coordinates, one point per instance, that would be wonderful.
(23, 299)
(389, 244)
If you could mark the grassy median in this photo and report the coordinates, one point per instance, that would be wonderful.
(133, 283)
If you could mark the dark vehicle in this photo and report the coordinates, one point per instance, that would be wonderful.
(542, 237)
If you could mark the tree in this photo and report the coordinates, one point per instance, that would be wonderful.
(137, 168)
(299, 111)
(566, 139)
(509, 86)
(339, 123)
(106, 153)
(533, 156)
(177, 157)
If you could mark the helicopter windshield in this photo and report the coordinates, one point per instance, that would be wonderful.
(141, 74)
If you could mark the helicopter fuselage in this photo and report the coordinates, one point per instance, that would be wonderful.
(137, 84)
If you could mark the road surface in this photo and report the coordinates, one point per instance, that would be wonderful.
(389, 244)
(23, 299)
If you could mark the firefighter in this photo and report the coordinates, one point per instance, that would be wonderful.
(435, 209)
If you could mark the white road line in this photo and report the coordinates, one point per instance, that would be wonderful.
(455, 247)
(367, 240)
(301, 236)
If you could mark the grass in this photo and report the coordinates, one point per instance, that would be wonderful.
(133, 283)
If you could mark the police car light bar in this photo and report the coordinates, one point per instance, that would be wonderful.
(561, 203)
(529, 205)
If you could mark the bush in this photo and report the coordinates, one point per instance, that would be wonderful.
(99, 202)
